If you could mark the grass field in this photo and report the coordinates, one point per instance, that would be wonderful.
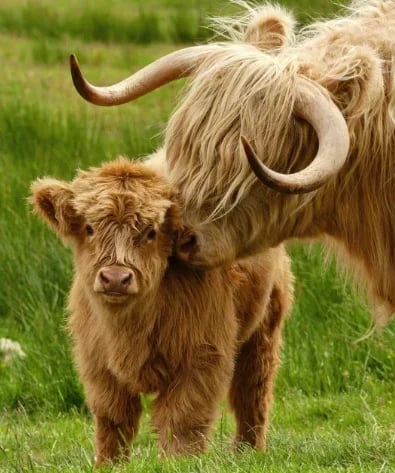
(335, 403)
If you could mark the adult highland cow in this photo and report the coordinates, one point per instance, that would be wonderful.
(144, 323)
(318, 107)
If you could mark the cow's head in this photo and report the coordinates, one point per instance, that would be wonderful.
(228, 214)
(121, 221)
(261, 88)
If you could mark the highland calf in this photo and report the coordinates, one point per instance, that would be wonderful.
(142, 322)
(317, 106)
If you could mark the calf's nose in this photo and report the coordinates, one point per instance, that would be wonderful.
(115, 280)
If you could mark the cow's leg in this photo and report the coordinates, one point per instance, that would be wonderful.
(184, 414)
(116, 413)
(253, 379)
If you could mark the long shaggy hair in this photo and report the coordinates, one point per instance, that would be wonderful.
(142, 322)
(249, 88)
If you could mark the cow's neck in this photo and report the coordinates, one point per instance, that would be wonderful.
(359, 222)
(362, 223)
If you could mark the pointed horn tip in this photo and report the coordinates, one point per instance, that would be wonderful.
(79, 82)
(244, 141)
(250, 153)
(262, 172)
(74, 65)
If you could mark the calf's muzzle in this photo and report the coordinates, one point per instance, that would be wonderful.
(115, 280)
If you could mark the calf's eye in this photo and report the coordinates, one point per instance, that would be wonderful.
(89, 230)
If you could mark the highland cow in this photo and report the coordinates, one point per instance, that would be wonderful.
(317, 106)
(142, 322)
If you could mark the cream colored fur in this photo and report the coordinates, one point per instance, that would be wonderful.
(246, 89)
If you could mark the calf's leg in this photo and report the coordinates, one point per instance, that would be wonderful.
(116, 413)
(184, 414)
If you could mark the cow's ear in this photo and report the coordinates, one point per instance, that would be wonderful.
(269, 28)
(53, 201)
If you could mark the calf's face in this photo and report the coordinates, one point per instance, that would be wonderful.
(121, 220)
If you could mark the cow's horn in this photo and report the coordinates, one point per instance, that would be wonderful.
(333, 138)
(171, 67)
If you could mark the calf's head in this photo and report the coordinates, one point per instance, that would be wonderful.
(120, 220)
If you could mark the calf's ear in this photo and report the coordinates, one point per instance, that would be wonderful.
(173, 220)
(53, 201)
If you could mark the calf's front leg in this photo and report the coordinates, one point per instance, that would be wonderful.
(116, 413)
(183, 415)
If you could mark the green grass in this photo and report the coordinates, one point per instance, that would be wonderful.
(334, 408)
(345, 432)
(127, 21)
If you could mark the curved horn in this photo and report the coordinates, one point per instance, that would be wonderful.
(171, 67)
(333, 138)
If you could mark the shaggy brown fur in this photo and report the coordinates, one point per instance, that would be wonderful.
(241, 89)
(188, 336)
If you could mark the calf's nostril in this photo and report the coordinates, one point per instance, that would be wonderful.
(103, 278)
(126, 280)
